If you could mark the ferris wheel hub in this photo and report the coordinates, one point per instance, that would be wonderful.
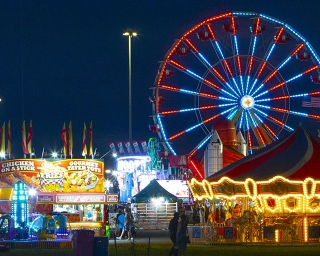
(247, 102)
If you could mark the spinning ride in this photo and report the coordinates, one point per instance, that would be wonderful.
(253, 69)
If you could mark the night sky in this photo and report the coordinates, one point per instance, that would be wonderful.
(64, 61)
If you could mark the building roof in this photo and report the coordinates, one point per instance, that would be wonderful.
(295, 157)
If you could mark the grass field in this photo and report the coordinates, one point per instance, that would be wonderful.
(162, 249)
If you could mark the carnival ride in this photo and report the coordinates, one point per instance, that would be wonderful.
(251, 68)
(47, 226)
(8, 231)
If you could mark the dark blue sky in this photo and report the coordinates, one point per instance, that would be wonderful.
(68, 60)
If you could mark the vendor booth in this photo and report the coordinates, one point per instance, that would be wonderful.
(71, 187)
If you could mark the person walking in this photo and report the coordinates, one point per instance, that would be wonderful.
(182, 236)
(128, 221)
(173, 225)
(120, 222)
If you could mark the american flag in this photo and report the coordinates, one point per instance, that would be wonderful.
(311, 102)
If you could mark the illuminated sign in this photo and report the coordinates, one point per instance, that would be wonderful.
(132, 163)
(67, 176)
(112, 198)
(179, 188)
(67, 198)
(45, 198)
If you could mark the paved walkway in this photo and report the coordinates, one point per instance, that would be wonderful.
(143, 236)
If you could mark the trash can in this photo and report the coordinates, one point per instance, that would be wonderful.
(101, 246)
(82, 242)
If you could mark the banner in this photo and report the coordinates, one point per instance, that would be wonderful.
(69, 175)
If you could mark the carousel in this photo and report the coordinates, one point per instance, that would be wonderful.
(272, 195)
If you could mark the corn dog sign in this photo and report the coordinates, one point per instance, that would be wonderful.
(68, 176)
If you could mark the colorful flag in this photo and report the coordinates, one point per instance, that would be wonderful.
(120, 146)
(90, 142)
(311, 102)
(70, 139)
(64, 138)
(24, 143)
(29, 139)
(113, 148)
(144, 146)
(84, 141)
(136, 147)
(128, 146)
(3, 146)
(9, 140)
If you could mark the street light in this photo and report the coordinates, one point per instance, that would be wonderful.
(130, 34)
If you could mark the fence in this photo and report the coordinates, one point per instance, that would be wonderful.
(153, 215)
(220, 233)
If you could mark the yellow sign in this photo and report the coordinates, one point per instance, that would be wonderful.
(69, 175)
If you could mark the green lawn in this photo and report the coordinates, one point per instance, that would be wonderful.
(162, 249)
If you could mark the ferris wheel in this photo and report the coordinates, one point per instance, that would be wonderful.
(253, 69)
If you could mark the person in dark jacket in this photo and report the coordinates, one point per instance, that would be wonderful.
(182, 234)
(173, 225)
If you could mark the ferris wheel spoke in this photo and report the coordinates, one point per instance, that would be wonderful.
(199, 78)
(211, 69)
(200, 145)
(234, 115)
(263, 133)
(297, 113)
(277, 70)
(202, 108)
(200, 94)
(287, 81)
(280, 110)
(200, 123)
(255, 129)
(274, 98)
(266, 57)
(272, 134)
(176, 89)
(274, 120)
(268, 130)
(222, 58)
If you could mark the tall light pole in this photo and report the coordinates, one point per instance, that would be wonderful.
(130, 34)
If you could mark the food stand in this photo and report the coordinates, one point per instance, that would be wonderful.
(72, 187)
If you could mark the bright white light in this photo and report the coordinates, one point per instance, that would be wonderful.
(107, 171)
(247, 102)
(54, 154)
(130, 33)
(114, 154)
(32, 192)
(2, 154)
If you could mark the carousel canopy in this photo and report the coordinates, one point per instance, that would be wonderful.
(154, 190)
(295, 157)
